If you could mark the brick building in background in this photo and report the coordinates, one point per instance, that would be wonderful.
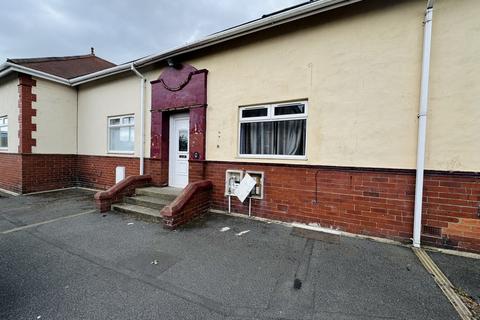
(321, 99)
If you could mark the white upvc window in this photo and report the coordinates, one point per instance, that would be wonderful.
(121, 134)
(273, 130)
(3, 133)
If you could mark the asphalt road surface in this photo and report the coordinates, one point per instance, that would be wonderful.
(61, 260)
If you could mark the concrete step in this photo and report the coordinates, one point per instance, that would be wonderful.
(139, 212)
(147, 201)
(166, 193)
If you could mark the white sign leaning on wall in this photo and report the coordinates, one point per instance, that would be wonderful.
(246, 185)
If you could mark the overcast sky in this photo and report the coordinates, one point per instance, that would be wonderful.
(119, 30)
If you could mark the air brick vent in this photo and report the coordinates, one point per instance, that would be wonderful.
(432, 231)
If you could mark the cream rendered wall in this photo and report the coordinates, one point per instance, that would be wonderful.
(453, 132)
(9, 107)
(99, 100)
(360, 74)
(56, 118)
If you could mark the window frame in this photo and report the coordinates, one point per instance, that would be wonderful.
(271, 117)
(255, 119)
(3, 149)
(109, 126)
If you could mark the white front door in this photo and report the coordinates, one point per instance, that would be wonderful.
(178, 162)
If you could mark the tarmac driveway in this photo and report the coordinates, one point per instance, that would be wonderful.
(94, 266)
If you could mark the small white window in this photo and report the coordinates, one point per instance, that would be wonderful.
(3, 133)
(121, 134)
(273, 130)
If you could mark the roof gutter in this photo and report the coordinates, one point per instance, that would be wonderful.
(254, 26)
(100, 74)
(3, 66)
(5, 72)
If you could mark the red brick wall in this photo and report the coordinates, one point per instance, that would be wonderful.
(11, 172)
(376, 202)
(362, 201)
(451, 204)
(26, 112)
(194, 201)
(25, 173)
(99, 171)
(47, 172)
(158, 170)
(196, 170)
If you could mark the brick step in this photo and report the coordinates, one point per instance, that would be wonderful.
(167, 193)
(142, 213)
(147, 201)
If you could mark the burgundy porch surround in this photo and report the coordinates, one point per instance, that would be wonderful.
(179, 89)
(126, 187)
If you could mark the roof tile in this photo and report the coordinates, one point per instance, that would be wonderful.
(66, 67)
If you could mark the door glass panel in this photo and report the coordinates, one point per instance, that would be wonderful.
(183, 140)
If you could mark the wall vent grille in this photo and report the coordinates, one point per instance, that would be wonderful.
(432, 231)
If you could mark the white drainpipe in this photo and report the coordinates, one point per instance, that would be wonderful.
(142, 116)
(422, 125)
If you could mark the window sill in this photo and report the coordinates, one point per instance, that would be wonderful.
(272, 157)
(3, 149)
(125, 153)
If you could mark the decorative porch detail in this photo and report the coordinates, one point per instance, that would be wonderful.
(179, 88)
